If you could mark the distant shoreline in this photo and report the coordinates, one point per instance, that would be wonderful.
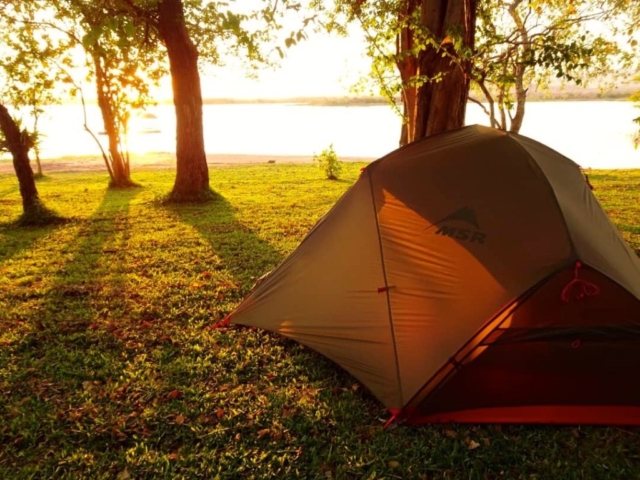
(569, 95)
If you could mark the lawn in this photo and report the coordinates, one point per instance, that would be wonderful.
(109, 368)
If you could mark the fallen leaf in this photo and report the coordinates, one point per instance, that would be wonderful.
(146, 324)
(206, 274)
(180, 419)
(173, 394)
(173, 456)
(486, 442)
(124, 475)
(393, 464)
(263, 432)
(450, 434)
(472, 445)
(86, 384)
(220, 413)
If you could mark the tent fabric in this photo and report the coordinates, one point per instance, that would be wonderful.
(469, 276)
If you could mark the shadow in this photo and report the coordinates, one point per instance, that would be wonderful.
(63, 343)
(96, 258)
(237, 248)
(15, 239)
(9, 191)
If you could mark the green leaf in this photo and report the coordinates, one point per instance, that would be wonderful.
(129, 29)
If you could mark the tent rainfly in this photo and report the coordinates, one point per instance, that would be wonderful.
(470, 276)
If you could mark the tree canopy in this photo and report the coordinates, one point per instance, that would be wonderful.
(516, 45)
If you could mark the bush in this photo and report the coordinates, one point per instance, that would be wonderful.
(329, 162)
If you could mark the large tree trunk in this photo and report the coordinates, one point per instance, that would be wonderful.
(192, 178)
(119, 168)
(436, 106)
(18, 145)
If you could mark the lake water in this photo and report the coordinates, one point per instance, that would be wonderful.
(595, 134)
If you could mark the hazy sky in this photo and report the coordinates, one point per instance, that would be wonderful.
(321, 65)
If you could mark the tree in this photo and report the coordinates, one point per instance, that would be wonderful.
(633, 24)
(17, 142)
(421, 50)
(27, 83)
(122, 63)
(522, 44)
(192, 172)
(208, 30)
(29, 77)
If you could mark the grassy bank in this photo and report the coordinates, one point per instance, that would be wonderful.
(108, 367)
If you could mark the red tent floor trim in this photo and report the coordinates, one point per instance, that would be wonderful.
(544, 414)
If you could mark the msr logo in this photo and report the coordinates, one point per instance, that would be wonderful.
(452, 226)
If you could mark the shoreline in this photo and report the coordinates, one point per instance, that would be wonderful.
(166, 160)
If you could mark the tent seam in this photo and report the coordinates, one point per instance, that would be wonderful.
(386, 285)
(532, 161)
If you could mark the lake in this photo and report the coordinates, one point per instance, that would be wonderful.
(596, 134)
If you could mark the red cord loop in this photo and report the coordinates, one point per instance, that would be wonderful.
(580, 288)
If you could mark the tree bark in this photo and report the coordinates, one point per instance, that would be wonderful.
(19, 148)
(436, 106)
(192, 173)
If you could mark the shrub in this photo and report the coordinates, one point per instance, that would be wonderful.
(329, 162)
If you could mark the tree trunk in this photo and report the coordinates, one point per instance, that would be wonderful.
(18, 146)
(437, 106)
(119, 171)
(192, 177)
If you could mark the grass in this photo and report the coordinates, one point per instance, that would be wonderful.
(109, 368)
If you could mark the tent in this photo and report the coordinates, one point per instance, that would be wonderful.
(468, 277)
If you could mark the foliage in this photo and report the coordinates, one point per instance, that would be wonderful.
(120, 61)
(27, 68)
(384, 22)
(636, 139)
(329, 162)
(108, 367)
(519, 45)
(523, 45)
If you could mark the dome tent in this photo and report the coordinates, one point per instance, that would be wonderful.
(470, 276)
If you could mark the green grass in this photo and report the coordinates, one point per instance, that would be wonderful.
(109, 368)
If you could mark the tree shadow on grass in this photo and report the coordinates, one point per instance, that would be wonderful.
(65, 354)
(15, 239)
(239, 250)
(8, 191)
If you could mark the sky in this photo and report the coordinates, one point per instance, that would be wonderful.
(321, 65)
